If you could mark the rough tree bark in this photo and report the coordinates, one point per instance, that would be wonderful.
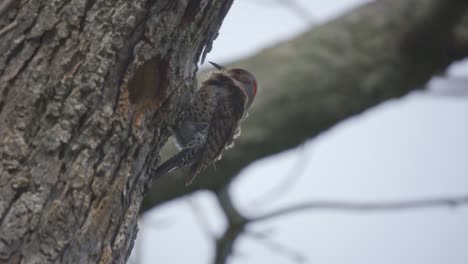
(377, 52)
(76, 78)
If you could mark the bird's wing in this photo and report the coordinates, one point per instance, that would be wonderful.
(228, 112)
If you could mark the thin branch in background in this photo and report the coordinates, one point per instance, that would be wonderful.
(365, 206)
(236, 224)
(277, 247)
(239, 255)
(233, 215)
(200, 217)
(289, 180)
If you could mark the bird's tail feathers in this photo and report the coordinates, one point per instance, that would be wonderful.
(189, 179)
(176, 161)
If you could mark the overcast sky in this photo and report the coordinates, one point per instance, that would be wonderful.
(412, 147)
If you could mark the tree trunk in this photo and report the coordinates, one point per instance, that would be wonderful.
(88, 89)
(378, 52)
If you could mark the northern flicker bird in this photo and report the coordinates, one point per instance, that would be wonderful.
(211, 122)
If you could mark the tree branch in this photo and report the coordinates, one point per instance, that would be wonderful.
(74, 75)
(278, 248)
(364, 206)
(237, 223)
(382, 50)
(289, 180)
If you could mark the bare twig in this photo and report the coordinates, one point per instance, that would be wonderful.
(365, 206)
(288, 182)
(225, 202)
(236, 224)
(277, 247)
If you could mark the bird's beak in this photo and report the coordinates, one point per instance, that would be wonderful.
(217, 66)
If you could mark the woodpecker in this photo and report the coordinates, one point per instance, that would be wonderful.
(211, 122)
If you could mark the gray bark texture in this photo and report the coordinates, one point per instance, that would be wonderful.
(377, 52)
(88, 89)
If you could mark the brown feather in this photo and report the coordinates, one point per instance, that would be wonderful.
(224, 122)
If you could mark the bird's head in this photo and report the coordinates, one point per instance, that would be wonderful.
(244, 79)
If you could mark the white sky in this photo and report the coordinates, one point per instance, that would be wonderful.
(413, 147)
